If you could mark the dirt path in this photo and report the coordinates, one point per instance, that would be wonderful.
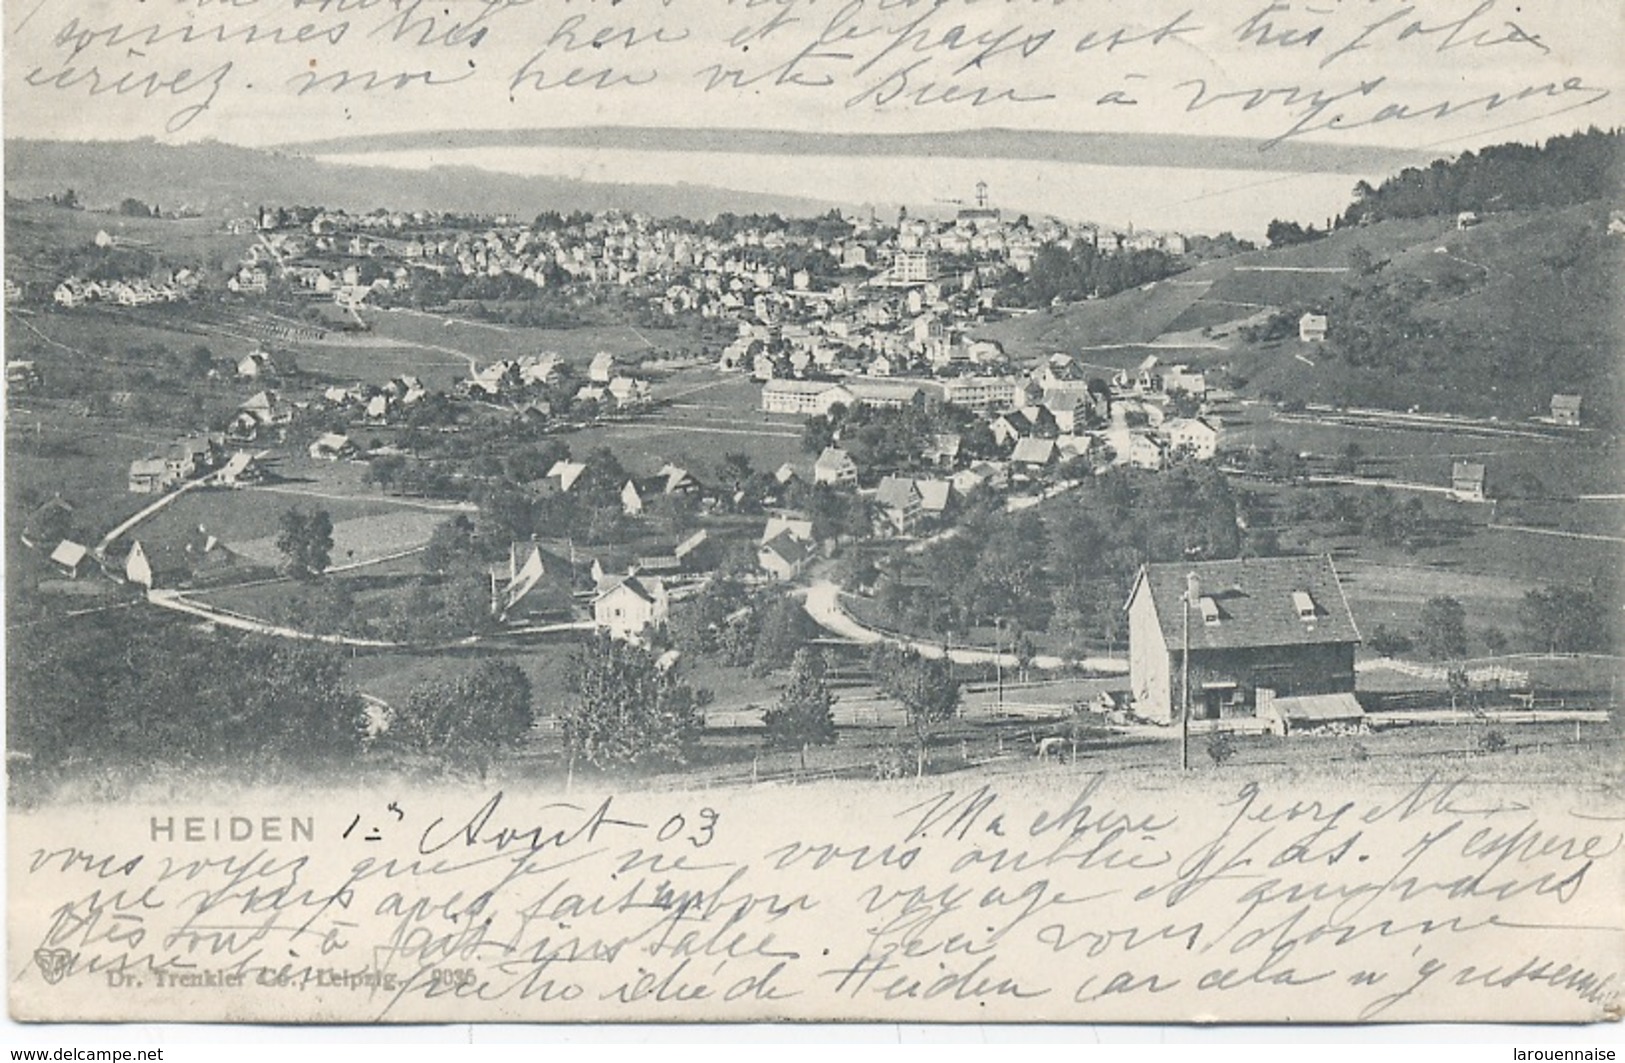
(406, 503)
(823, 604)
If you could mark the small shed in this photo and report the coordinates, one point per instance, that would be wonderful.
(1467, 481)
(71, 557)
(1338, 713)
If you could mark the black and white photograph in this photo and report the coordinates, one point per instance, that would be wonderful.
(748, 511)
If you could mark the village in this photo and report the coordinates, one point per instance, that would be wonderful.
(797, 443)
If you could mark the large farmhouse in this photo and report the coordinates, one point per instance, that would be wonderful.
(1264, 633)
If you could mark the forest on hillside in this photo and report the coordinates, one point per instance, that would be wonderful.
(1564, 171)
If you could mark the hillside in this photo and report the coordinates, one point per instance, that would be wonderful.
(222, 179)
(1505, 313)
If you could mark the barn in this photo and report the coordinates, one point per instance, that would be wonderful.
(1262, 631)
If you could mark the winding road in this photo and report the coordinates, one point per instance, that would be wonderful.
(823, 604)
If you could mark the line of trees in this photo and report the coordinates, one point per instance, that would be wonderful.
(125, 690)
(1065, 568)
(1576, 168)
(1083, 273)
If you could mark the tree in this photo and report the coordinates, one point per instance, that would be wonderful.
(1024, 650)
(1287, 233)
(627, 710)
(817, 434)
(265, 708)
(450, 545)
(926, 688)
(385, 470)
(804, 713)
(1563, 619)
(1442, 632)
(783, 629)
(734, 469)
(468, 720)
(305, 542)
(1388, 643)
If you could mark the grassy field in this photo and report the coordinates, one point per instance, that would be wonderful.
(240, 517)
(391, 677)
(358, 540)
(1535, 754)
(85, 459)
(709, 415)
(493, 341)
(373, 360)
(36, 232)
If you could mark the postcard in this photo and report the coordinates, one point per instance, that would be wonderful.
(835, 510)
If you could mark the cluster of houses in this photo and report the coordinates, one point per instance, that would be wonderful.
(628, 247)
(1045, 418)
(189, 458)
(538, 584)
(904, 288)
(377, 404)
(133, 291)
(607, 385)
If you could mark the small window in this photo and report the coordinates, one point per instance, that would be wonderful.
(1304, 604)
(1210, 611)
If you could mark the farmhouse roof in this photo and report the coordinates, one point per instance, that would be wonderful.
(881, 391)
(785, 386)
(897, 492)
(833, 458)
(1033, 451)
(69, 554)
(794, 551)
(646, 590)
(237, 464)
(1318, 708)
(1251, 602)
(934, 494)
(566, 472)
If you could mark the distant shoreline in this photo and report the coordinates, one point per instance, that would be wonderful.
(1098, 149)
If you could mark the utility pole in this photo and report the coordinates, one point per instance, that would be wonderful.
(998, 657)
(1193, 593)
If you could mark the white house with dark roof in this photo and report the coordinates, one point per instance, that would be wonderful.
(1191, 437)
(784, 556)
(1262, 632)
(900, 503)
(835, 466)
(800, 527)
(627, 606)
(564, 473)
